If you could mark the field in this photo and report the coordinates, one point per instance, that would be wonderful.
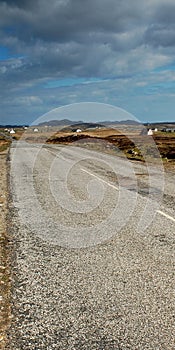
(123, 140)
(128, 139)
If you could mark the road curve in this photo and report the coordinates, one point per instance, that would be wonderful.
(94, 252)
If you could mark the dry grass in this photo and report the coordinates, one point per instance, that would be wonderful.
(134, 145)
(166, 145)
(4, 143)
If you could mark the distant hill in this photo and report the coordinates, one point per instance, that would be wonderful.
(82, 126)
(121, 122)
(67, 122)
(62, 122)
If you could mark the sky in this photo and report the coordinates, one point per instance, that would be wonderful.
(60, 52)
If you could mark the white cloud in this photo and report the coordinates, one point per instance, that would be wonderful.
(27, 101)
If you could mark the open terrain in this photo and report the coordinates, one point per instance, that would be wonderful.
(130, 139)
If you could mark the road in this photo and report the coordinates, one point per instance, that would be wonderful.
(94, 251)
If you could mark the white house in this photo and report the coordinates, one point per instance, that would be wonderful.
(150, 132)
(78, 130)
(35, 130)
(12, 131)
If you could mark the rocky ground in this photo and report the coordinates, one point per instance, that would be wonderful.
(4, 247)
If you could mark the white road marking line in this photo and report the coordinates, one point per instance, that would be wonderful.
(99, 178)
(166, 215)
(56, 155)
(48, 150)
(116, 188)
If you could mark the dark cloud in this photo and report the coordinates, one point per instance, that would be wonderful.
(69, 37)
(65, 20)
(82, 38)
(161, 35)
(20, 4)
(48, 40)
(165, 13)
(161, 32)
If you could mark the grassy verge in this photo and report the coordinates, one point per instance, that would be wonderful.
(4, 147)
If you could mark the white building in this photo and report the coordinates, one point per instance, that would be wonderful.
(150, 132)
(12, 131)
(35, 130)
(78, 130)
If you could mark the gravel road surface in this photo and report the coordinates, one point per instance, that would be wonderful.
(93, 262)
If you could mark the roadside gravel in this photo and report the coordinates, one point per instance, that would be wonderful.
(4, 250)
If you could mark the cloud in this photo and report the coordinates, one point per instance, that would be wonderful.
(27, 101)
(90, 39)
(111, 40)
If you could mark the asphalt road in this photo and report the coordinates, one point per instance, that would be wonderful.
(94, 251)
